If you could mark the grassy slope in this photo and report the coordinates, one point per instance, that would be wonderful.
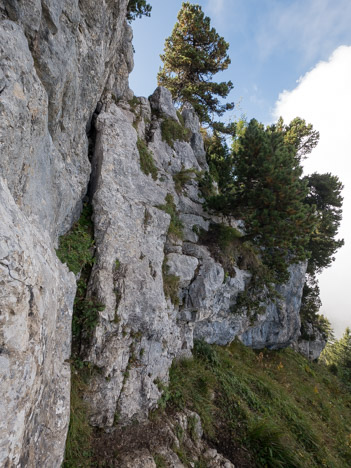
(265, 409)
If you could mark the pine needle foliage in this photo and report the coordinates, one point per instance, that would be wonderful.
(192, 55)
(269, 194)
(137, 9)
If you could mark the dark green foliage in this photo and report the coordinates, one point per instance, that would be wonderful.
(337, 355)
(77, 246)
(147, 164)
(182, 178)
(192, 55)
(171, 131)
(175, 226)
(269, 195)
(137, 9)
(86, 313)
(300, 135)
(325, 196)
(310, 305)
(264, 408)
(170, 284)
(220, 161)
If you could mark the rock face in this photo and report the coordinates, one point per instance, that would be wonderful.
(68, 120)
(58, 59)
(311, 344)
(141, 331)
(37, 294)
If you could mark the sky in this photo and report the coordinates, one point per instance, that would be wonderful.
(289, 58)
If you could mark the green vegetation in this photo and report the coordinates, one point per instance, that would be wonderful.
(171, 131)
(267, 408)
(175, 226)
(269, 195)
(182, 178)
(192, 55)
(170, 284)
(79, 438)
(288, 218)
(160, 461)
(77, 250)
(137, 9)
(77, 246)
(337, 356)
(147, 164)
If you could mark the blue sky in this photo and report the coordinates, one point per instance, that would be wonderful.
(272, 43)
(290, 58)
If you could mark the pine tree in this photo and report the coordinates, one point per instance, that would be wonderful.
(137, 9)
(269, 196)
(192, 55)
(325, 195)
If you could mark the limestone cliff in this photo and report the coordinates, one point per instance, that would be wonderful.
(71, 127)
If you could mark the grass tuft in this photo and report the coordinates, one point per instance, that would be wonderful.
(170, 284)
(175, 226)
(147, 164)
(171, 131)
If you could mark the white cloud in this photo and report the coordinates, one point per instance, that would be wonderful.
(323, 98)
(310, 27)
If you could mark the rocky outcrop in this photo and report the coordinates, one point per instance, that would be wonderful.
(69, 121)
(37, 294)
(58, 59)
(141, 330)
(174, 441)
(311, 343)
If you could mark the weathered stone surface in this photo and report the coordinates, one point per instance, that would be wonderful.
(36, 298)
(182, 266)
(280, 324)
(62, 63)
(192, 122)
(131, 229)
(161, 102)
(58, 59)
(311, 347)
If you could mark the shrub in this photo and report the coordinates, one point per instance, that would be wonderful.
(175, 226)
(182, 178)
(171, 130)
(76, 248)
(147, 164)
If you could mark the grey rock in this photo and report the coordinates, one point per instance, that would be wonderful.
(192, 122)
(280, 325)
(161, 102)
(312, 347)
(36, 302)
(182, 266)
(59, 59)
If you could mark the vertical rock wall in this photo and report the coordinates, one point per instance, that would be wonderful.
(60, 60)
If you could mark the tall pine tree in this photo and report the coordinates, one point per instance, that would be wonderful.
(192, 55)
